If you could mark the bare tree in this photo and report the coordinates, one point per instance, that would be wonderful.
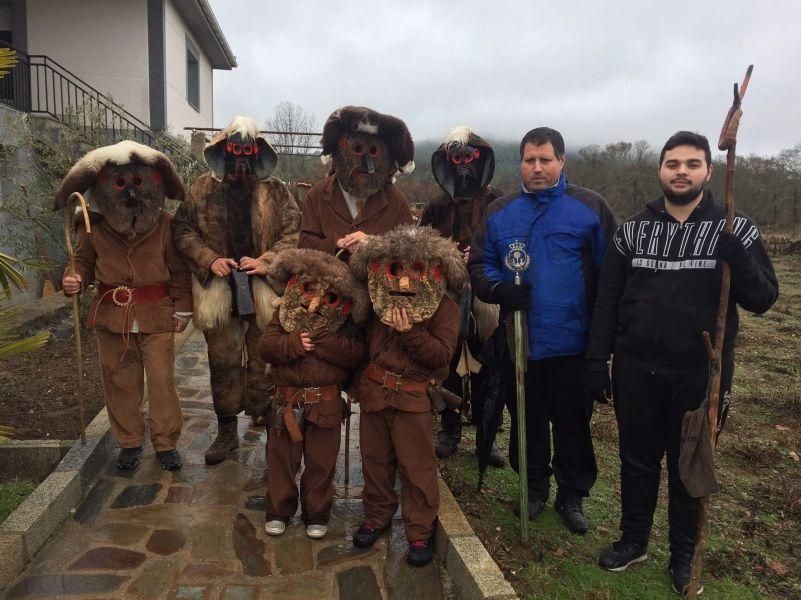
(296, 138)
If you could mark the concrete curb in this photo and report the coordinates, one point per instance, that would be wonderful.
(27, 529)
(471, 568)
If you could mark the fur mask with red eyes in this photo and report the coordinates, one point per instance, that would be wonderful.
(418, 286)
(363, 164)
(409, 267)
(309, 305)
(130, 197)
(126, 183)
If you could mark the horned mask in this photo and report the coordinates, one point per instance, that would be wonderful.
(409, 267)
(319, 291)
(126, 183)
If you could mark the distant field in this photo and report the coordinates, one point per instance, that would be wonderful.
(754, 550)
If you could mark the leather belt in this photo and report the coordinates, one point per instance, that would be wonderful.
(393, 381)
(122, 295)
(301, 397)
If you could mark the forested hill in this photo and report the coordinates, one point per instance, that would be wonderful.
(625, 173)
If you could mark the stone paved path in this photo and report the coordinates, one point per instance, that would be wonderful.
(187, 534)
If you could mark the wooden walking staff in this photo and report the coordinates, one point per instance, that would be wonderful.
(76, 319)
(518, 260)
(728, 142)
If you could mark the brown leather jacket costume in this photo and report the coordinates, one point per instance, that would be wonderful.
(335, 355)
(326, 218)
(419, 355)
(149, 259)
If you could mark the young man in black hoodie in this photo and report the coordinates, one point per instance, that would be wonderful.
(658, 292)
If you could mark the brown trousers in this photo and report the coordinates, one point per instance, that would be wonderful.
(238, 378)
(151, 354)
(319, 450)
(392, 440)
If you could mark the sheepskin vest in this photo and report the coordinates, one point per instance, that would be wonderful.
(201, 232)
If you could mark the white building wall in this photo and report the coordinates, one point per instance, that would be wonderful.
(104, 42)
(180, 113)
(5, 18)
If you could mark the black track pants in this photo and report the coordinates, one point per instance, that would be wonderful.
(650, 406)
(556, 401)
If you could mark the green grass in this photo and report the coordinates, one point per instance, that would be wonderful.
(11, 496)
(753, 550)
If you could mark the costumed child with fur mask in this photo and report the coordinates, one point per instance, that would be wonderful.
(312, 344)
(144, 293)
(411, 339)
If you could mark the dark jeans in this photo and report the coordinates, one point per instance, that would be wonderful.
(650, 406)
(556, 401)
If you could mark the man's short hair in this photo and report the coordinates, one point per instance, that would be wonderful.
(543, 135)
(687, 138)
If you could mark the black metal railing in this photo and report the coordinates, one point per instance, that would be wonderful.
(41, 86)
(284, 142)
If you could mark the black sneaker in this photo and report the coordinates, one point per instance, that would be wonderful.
(128, 458)
(366, 536)
(572, 515)
(420, 552)
(680, 575)
(535, 507)
(621, 554)
(170, 459)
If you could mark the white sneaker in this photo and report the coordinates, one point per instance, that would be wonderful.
(275, 527)
(316, 531)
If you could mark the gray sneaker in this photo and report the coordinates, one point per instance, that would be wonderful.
(620, 555)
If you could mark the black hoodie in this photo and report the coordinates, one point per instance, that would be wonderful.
(659, 286)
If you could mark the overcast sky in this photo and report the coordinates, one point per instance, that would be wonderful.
(597, 71)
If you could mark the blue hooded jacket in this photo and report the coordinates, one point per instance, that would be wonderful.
(565, 231)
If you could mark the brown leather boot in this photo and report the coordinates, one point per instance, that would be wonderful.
(446, 444)
(226, 442)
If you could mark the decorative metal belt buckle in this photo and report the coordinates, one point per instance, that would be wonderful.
(397, 384)
(316, 395)
(125, 290)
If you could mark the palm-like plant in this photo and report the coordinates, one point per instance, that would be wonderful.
(11, 277)
(8, 59)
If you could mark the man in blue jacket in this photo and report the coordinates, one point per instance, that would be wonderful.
(565, 230)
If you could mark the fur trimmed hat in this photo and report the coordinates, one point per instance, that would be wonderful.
(247, 129)
(392, 130)
(412, 243)
(322, 267)
(83, 174)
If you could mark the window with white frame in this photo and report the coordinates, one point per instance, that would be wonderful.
(192, 75)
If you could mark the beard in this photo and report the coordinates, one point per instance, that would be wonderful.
(681, 198)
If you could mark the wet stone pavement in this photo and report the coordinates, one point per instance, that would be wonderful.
(188, 534)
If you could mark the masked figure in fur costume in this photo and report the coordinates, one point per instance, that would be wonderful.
(411, 339)
(233, 219)
(312, 345)
(366, 151)
(144, 292)
(463, 166)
